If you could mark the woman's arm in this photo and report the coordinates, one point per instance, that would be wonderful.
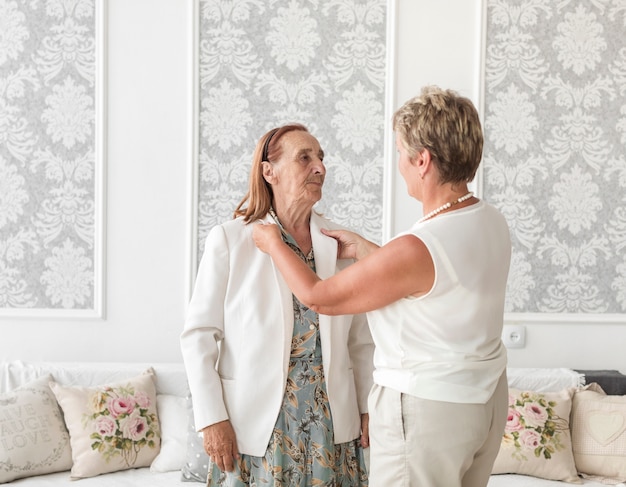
(400, 268)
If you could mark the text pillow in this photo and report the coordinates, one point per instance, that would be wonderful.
(112, 427)
(537, 440)
(599, 435)
(33, 437)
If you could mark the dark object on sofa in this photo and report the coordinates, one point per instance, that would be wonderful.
(612, 381)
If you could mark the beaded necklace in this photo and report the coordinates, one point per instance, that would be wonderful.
(445, 207)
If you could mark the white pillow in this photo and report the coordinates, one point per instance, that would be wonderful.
(173, 418)
(543, 379)
(599, 435)
(33, 437)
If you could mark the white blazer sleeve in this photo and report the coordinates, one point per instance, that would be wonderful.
(361, 349)
(204, 328)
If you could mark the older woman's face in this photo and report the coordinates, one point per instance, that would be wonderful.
(298, 176)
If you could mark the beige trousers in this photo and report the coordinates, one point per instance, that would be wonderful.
(422, 443)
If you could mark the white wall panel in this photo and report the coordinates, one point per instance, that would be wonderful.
(150, 130)
(149, 122)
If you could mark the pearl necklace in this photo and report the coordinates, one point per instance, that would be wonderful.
(445, 207)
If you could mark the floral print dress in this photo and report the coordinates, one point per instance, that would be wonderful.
(301, 451)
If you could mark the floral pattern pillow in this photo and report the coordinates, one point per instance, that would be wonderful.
(537, 439)
(112, 427)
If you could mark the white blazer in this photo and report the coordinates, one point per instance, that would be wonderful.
(237, 339)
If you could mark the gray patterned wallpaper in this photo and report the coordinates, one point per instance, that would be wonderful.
(47, 118)
(555, 119)
(555, 159)
(266, 63)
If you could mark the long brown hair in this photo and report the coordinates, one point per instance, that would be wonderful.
(259, 196)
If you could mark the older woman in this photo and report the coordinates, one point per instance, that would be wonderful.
(434, 297)
(279, 392)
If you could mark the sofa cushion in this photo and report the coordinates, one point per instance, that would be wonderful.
(113, 426)
(537, 440)
(196, 467)
(612, 382)
(172, 412)
(170, 377)
(33, 437)
(599, 435)
(544, 379)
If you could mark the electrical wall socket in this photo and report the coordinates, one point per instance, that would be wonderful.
(514, 336)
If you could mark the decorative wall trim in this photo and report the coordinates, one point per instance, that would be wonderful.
(551, 84)
(263, 84)
(97, 310)
(481, 32)
(389, 207)
(194, 151)
(565, 318)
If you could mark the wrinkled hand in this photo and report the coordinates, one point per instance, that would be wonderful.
(350, 245)
(265, 235)
(365, 430)
(221, 445)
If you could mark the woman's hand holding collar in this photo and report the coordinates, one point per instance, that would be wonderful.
(350, 245)
(266, 236)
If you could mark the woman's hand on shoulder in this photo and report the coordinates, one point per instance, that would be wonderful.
(266, 235)
(350, 245)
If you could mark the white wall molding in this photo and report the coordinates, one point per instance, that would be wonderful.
(565, 318)
(194, 149)
(98, 311)
(479, 91)
(557, 256)
(389, 163)
(101, 161)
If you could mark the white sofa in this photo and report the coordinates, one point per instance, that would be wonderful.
(588, 389)
(171, 383)
(177, 448)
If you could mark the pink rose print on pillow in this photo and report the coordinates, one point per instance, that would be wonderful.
(533, 428)
(530, 439)
(535, 415)
(122, 423)
(121, 405)
(105, 426)
(513, 422)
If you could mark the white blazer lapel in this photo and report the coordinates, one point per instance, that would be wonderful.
(325, 251)
(285, 299)
(324, 248)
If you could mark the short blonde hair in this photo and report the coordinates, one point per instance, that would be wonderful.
(446, 124)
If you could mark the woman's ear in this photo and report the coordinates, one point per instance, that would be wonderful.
(423, 162)
(268, 172)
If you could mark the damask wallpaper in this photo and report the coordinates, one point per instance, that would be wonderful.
(47, 154)
(555, 159)
(318, 62)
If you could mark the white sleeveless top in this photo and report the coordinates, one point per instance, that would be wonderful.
(446, 345)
